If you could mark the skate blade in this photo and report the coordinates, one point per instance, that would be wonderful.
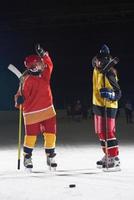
(99, 167)
(28, 170)
(114, 169)
(52, 169)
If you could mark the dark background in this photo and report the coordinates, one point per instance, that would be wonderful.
(72, 32)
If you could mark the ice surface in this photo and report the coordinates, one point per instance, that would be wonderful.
(78, 149)
(76, 165)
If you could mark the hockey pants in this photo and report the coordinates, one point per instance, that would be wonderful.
(48, 129)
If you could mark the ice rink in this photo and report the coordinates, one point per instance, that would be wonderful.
(77, 152)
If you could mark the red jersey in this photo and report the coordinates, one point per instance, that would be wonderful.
(38, 104)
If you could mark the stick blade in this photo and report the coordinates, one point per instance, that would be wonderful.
(13, 69)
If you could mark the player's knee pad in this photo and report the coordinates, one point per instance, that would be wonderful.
(49, 140)
(29, 141)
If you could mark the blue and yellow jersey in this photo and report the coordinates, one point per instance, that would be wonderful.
(110, 81)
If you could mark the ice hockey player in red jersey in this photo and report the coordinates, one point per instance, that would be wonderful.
(37, 102)
(106, 93)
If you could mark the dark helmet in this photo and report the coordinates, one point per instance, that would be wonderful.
(104, 55)
(31, 61)
(104, 51)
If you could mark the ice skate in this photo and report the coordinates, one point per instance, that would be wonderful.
(51, 161)
(101, 162)
(112, 165)
(28, 164)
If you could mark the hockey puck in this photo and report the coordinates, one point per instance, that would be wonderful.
(72, 185)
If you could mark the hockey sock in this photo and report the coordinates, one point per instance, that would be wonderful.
(29, 141)
(27, 152)
(49, 140)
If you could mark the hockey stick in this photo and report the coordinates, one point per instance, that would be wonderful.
(106, 133)
(106, 128)
(13, 69)
(110, 64)
(19, 135)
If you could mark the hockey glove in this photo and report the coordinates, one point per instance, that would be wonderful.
(107, 94)
(39, 50)
(20, 100)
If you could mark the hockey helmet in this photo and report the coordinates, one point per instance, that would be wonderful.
(105, 51)
(31, 61)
